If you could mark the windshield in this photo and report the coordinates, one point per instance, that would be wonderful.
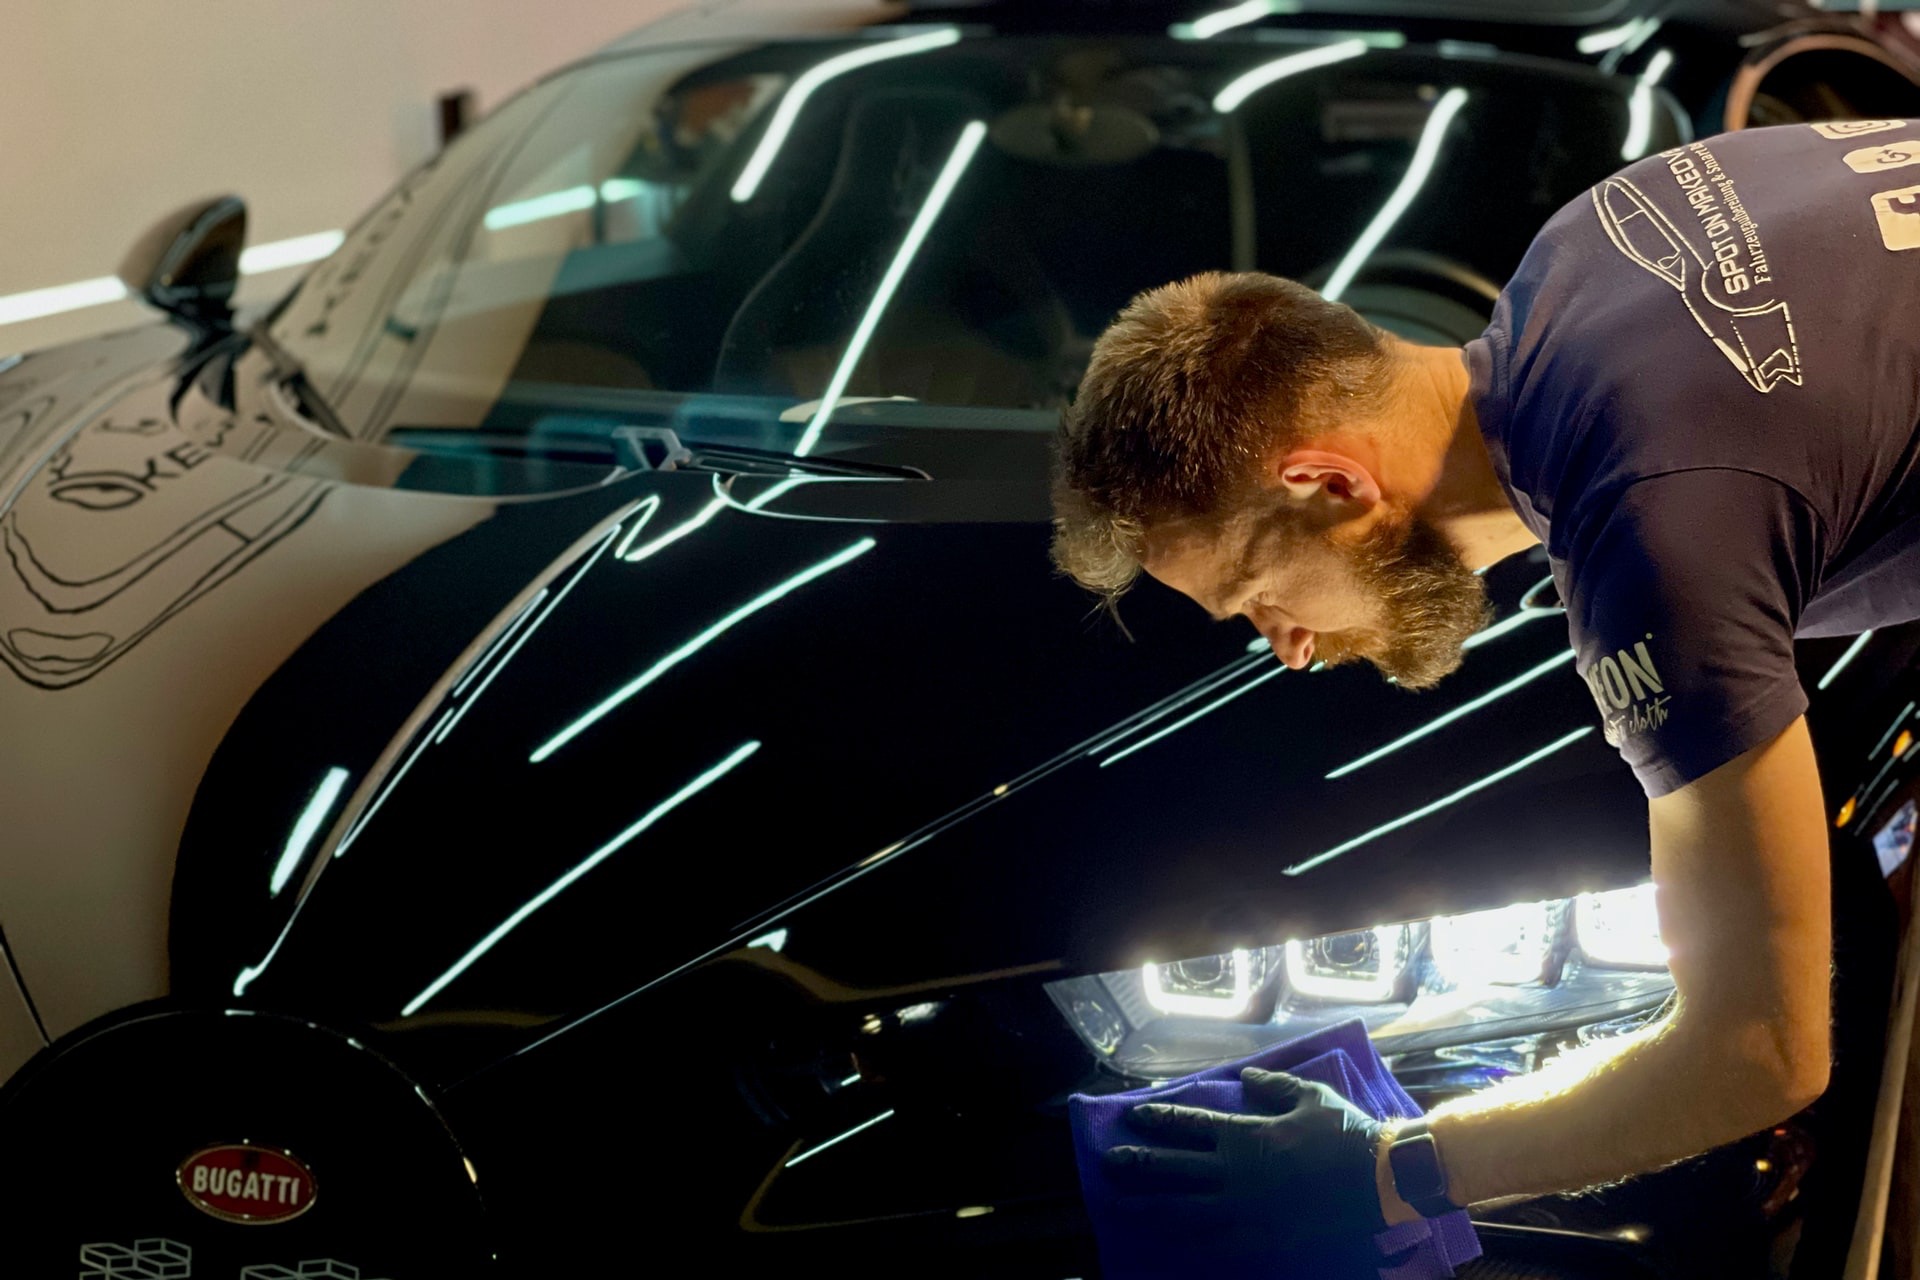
(714, 235)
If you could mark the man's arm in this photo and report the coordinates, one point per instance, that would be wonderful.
(1740, 866)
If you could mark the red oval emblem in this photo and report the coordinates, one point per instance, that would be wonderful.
(239, 1182)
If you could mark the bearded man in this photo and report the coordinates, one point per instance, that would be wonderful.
(1700, 393)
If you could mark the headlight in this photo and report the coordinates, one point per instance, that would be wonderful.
(1363, 967)
(1620, 928)
(1210, 987)
(1506, 946)
(1525, 973)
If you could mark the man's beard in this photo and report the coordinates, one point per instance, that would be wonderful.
(1430, 604)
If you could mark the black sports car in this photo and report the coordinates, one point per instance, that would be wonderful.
(556, 750)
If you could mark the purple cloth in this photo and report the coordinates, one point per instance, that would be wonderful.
(1146, 1237)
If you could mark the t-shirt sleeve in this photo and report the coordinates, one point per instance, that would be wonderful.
(1683, 597)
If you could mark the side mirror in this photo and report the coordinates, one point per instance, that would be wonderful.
(188, 263)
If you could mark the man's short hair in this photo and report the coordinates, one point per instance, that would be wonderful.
(1187, 392)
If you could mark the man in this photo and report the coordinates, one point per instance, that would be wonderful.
(1700, 393)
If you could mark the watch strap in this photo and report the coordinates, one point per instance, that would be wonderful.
(1418, 1176)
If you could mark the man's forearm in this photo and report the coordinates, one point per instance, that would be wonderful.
(1618, 1108)
(1740, 864)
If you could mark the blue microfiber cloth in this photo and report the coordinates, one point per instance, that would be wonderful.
(1143, 1237)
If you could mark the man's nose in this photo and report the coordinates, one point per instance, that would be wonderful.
(1292, 645)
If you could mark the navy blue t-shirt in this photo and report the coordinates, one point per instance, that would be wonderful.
(1701, 390)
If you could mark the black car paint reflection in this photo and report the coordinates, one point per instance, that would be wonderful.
(889, 771)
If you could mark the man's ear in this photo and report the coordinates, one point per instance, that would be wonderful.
(1307, 472)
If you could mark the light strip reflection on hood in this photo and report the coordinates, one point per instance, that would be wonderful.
(759, 501)
(1243, 87)
(1887, 737)
(646, 509)
(1846, 660)
(394, 780)
(1505, 625)
(719, 503)
(1640, 106)
(759, 923)
(318, 807)
(1464, 709)
(1441, 803)
(593, 860)
(676, 533)
(1114, 733)
(1189, 718)
(1425, 152)
(1880, 797)
(698, 643)
(452, 715)
(524, 636)
(1607, 37)
(804, 85)
(832, 1142)
(1641, 32)
(438, 732)
(506, 634)
(1896, 757)
(1167, 706)
(963, 152)
(1209, 25)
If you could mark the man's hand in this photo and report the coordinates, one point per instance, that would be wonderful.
(1740, 865)
(1306, 1166)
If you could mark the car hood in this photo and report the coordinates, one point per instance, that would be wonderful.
(858, 731)
(391, 756)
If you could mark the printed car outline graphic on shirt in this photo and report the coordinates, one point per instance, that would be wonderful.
(1649, 238)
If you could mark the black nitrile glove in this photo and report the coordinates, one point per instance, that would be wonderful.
(1305, 1168)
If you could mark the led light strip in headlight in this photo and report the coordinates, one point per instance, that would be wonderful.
(1362, 967)
(1157, 981)
(1507, 946)
(1620, 928)
(1529, 970)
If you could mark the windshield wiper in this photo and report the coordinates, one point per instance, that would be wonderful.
(661, 449)
(291, 376)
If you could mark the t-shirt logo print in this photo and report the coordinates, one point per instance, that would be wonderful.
(1758, 340)
(1889, 155)
(1838, 129)
(1627, 688)
(1898, 212)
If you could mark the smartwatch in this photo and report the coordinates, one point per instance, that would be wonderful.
(1418, 1177)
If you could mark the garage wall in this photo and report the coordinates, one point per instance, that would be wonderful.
(113, 112)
